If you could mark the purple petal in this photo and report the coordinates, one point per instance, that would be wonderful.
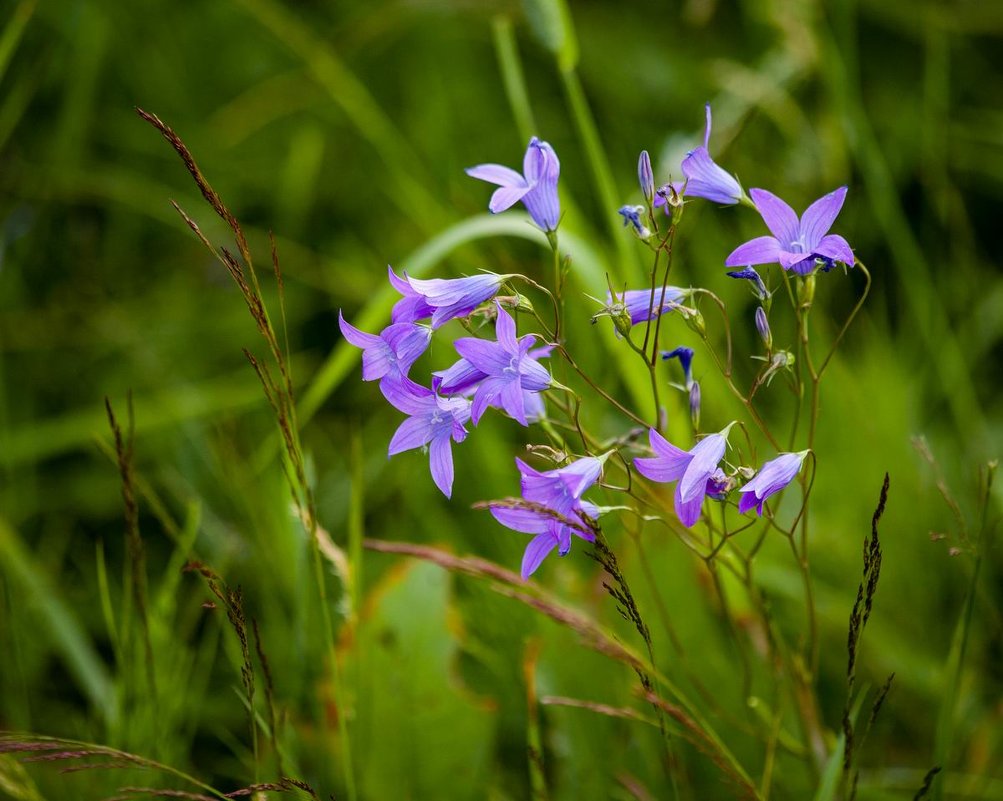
(581, 474)
(408, 341)
(778, 216)
(505, 331)
(688, 512)
(440, 460)
(706, 455)
(533, 375)
(669, 453)
(706, 131)
(535, 408)
(835, 247)
(761, 250)
(775, 474)
(527, 521)
(412, 433)
(704, 178)
(506, 197)
(803, 267)
(819, 217)
(536, 552)
(459, 378)
(377, 362)
(488, 357)
(747, 501)
(496, 174)
(356, 337)
(406, 396)
(512, 403)
(398, 283)
(489, 389)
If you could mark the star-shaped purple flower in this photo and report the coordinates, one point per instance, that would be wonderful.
(433, 421)
(536, 187)
(389, 356)
(502, 370)
(693, 470)
(796, 243)
(553, 508)
(771, 478)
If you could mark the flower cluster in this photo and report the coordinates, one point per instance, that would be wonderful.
(505, 372)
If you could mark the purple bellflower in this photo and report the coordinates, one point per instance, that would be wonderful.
(771, 478)
(410, 308)
(554, 508)
(536, 187)
(638, 302)
(796, 243)
(389, 356)
(455, 297)
(503, 371)
(704, 178)
(685, 356)
(691, 469)
(432, 421)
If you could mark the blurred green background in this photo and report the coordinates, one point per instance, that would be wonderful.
(344, 128)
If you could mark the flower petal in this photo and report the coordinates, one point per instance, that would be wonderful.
(440, 460)
(704, 178)
(412, 433)
(706, 455)
(496, 174)
(667, 451)
(835, 247)
(778, 216)
(505, 331)
(761, 250)
(819, 217)
(528, 521)
(533, 375)
(688, 512)
(536, 552)
(406, 396)
(489, 389)
(512, 402)
(506, 197)
(459, 378)
(356, 337)
(488, 357)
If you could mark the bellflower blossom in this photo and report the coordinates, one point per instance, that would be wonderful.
(389, 356)
(704, 178)
(771, 478)
(691, 469)
(410, 308)
(536, 187)
(554, 508)
(749, 274)
(502, 370)
(638, 302)
(433, 421)
(455, 297)
(685, 356)
(796, 243)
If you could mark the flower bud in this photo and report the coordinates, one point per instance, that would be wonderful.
(694, 319)
(645, 177)
(695, 405)
(763, 327)
(632, 216)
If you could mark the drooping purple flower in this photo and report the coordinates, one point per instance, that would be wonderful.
(638, 302)
(502, 371)
(456, 297)
(410, 308)
(434, 421)
(749, 274)
(685, 356)
(645, 177)
(389, 356)
(796, 243)
(536, 187)
(704, 178)
(553, 508)
(691, 469)
(771, 478)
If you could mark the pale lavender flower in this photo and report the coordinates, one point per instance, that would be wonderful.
(771, 478)
(434, 422)
(645, 177)
(554, 508)
(704, 178)
(796, 243)
(638, 302)
(456, 297)
(691, 469)
(506, 370)
(389, 356)
(536, 187)
(749, 274)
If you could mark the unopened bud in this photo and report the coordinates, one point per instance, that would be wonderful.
(694, 319)
(763, 327)
(516, 302)
(695, 405)
(645, 177)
